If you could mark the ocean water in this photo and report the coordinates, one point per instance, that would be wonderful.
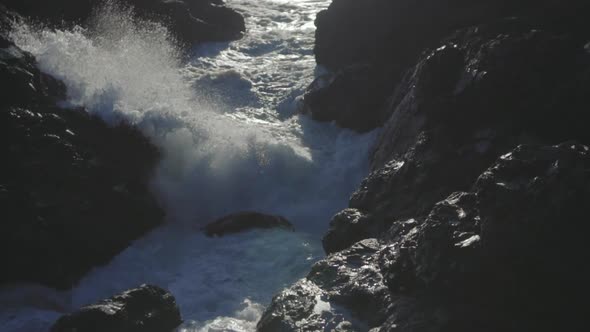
(225, 116)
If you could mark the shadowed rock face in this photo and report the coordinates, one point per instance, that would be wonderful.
(502, 256)
(379, 32)
(192, 21)
(245, 221)
(466, 220)
(353, 97)
(369, 45)
(73, 190)
(144, 309)
(487, 90)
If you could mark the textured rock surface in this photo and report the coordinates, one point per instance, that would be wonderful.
(192, 21)
(435, 239)
(244, 221)
(144, 309)
(73, 191)
(500, 257)
(489, 89)
(350, 32)
(389, 36)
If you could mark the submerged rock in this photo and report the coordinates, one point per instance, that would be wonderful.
(144, 309)
(244, 221)
(191, 21)
(73, 190)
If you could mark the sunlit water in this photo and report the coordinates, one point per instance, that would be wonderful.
(225, 118)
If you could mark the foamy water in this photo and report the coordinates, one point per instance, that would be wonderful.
(225, 118)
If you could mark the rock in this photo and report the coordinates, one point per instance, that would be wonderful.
(396, 31)
(460, 108)
(353, 97)
(439, 252)
(389, 36)
(74, 191)
(347, 228)
(144, 309)
(316, 303)
(502, 256)
(195, 21)
(244, 221)
(469, 87)
(533, 203)
(191, 21)
(435, 239)
(293, 309)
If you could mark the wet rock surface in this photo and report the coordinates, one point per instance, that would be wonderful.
(73, 190)
(390, 36)
(473, 198)
(144, 309)
(192, 21)
(245, 221)
(501, 256)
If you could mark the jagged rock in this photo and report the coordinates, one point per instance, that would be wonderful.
(316, 303)
(389, 36)
(244, 221)
(73, 191)
(501, 78)
(487, 90)
(347, 228)
(437, 252)
(191, 21)
(144, 309)
(460, 246)
(397, 31)
(505, 256)
(533, 204)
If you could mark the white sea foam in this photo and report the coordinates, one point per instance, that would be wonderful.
(225, 149)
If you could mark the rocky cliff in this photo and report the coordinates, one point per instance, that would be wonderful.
(474, 215)
(73, 190)
(368, 46)
(191, 21)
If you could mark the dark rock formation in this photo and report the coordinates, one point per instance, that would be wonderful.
(192, 21)
(144, 309)
(353, 97)
(244, 221)
(437, 240)
(389, 36)
(489, 89)
(396, 31)
(73, 191)
(503, 256)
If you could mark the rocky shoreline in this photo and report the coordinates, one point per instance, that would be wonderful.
(467, 220)
(191, 22)
(74, 190)
(473, 217)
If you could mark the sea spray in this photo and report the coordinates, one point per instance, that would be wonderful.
(218, 156)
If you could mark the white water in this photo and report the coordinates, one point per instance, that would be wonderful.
(226, 122)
